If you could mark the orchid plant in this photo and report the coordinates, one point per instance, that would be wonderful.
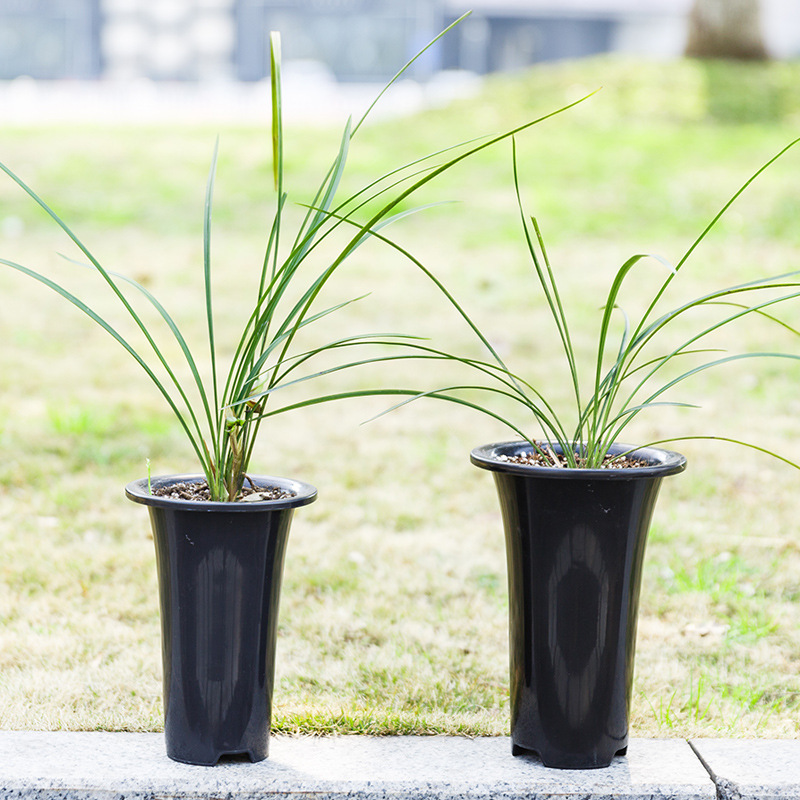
(222, 415)
(635, 363)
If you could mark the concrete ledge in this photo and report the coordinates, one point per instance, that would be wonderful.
(113, 766)
(752, 770)
(132, 766)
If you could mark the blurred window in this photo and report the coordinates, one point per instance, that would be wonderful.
(356, 40)
(49, 39)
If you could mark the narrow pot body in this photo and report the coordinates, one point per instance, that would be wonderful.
(575, 542)
(219, 571)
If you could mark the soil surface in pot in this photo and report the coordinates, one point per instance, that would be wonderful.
(552, 459)
(198, 490)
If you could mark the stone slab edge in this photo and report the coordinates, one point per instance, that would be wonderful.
(747, 769)
(117, 766)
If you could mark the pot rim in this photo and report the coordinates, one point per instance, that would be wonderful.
(663, 463)
(304, 493)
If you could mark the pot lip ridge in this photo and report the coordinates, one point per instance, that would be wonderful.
(304, 493)
(663, 463)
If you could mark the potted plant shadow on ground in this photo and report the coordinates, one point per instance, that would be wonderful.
(576, 501)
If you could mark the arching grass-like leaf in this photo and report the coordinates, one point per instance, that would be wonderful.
(222, 414)
(627, 378)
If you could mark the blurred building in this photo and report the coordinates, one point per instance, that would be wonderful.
(353, 40)
(50, 38)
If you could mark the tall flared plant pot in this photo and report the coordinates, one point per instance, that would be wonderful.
(219, 577)
(575, 542)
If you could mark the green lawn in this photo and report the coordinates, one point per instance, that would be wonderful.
(393, 616)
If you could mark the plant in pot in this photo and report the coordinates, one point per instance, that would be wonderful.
(220, 534)
(577, 502)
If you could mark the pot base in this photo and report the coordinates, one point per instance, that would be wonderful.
(225, 756)
(567, 761)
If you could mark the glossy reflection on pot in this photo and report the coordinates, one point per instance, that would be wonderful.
(218, 613)
(575, 547)
(219, 575)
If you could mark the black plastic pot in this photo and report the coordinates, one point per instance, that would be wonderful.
(575, 541)
(219, 575)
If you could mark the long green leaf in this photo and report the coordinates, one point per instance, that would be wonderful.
(277, 108)
(212, 348)
(194, 437)
(739, 442)
(547, 280)
(711, 225)
(394, 392)
(405, 67)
